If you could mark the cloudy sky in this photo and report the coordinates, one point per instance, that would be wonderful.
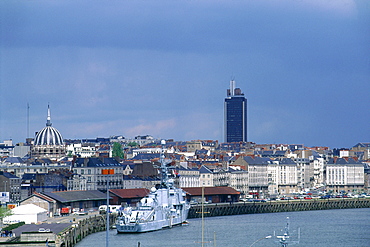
(162, 68)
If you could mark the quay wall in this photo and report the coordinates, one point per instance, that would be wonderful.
(69, 237)
(223, 209)
(72, 235)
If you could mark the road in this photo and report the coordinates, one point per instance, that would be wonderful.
(70, 218)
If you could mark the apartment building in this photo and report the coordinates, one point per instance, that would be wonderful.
(188, 177)
(12, 184)
(345, 175)
(287, 176)
(206, 177)
(257, 175)
(92, 170)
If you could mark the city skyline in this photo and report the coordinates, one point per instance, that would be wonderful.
(161, 68)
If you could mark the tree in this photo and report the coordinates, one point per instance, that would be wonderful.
(4, 212)
(117, 150)
(132, 144)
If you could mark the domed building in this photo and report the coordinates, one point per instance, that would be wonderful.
(48, 142)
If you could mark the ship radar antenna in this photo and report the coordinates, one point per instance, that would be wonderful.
(285, 239)
(163, 167)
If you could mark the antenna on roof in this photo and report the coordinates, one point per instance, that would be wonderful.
(48, 119)
(28, 120)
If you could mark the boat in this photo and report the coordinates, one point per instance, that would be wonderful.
(164, 207)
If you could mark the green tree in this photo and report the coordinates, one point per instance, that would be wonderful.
(132, 144)
(117, 150)
(4, 211)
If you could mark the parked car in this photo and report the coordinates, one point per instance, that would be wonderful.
(80, 213)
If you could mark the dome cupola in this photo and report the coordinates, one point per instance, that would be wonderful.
(48, 142)
(48, 135)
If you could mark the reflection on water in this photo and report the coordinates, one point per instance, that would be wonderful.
(344, 227)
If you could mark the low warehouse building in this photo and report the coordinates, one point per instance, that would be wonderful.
(29, 214)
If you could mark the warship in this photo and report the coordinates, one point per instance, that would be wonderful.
(165, 206)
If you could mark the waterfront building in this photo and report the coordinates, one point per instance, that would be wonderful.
(238, 179)
(221, 177)
(91, 169)
(206, 176)
(12, 184)
(234, 176)
(127, 196)
(42, 201)
(212, 194)
(287, 176)
(188, 177)
(257, 175)
(345, 174)
(83, 200)
(367, 177)
(235, 115)
(48, 142)
(272, 179)
(318, 164)
(305, 173)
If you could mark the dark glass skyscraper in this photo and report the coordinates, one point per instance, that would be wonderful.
(235, 116)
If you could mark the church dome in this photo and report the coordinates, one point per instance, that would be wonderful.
(48, 135)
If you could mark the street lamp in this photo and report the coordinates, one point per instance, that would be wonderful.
(267, 237)
(107, 172)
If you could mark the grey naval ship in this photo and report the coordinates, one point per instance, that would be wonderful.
(165, 206)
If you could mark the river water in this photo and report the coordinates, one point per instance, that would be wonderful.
(329, 228)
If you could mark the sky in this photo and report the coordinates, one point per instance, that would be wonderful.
(162, 68)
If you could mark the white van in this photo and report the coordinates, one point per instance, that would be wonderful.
(113, 209)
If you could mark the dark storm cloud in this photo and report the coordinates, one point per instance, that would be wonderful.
(162, 68)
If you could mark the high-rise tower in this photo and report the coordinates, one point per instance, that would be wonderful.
(235, 115)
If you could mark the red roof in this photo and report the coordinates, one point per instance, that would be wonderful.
(43, 197)
(130, 193)
(222, 190)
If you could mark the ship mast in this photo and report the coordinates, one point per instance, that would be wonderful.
(163, 167)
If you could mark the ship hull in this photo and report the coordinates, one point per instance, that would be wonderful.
(147, 226)
(144, 227)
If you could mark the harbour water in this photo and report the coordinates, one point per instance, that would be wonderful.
(329, 228)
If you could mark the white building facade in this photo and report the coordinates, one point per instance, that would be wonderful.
(345, 175)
